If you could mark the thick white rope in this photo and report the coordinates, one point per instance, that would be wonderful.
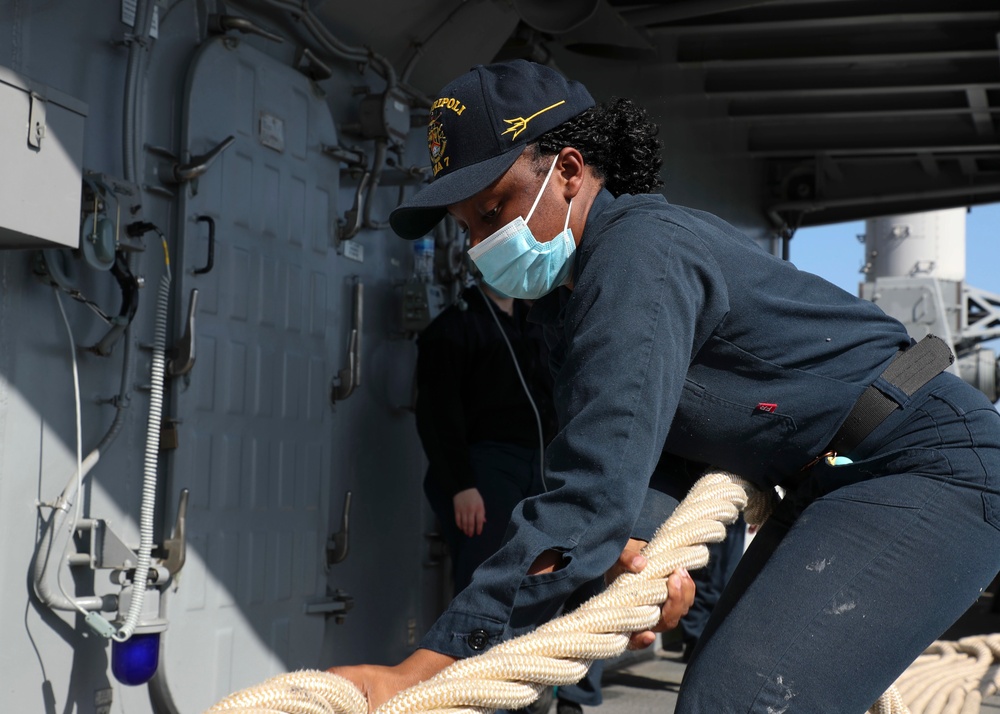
(949, 678)
(511, 674)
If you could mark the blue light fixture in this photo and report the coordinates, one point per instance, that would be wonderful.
(134, 661)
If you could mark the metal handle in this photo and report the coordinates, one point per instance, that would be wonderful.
(220, 24)
(312, 66)
(339, 544)
(211, 244)
(183, 354)
(199, 164)
(176, 546)
(353, 216)
(350, 376)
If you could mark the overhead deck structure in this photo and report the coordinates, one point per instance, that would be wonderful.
(829, 110)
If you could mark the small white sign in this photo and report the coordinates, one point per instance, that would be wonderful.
(352, 250)
(272, 131)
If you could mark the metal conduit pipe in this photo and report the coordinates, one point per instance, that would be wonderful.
(301, 10)
(161, 699)
(418, 47)
(47, 546)
(133, 77)
(361, 55)
(378, 164)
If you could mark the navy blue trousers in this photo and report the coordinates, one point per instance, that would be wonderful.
(711, 580)
(861, 567)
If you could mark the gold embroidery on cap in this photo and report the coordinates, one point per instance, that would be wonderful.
(436, 143)
(449, 103)
(520, 123)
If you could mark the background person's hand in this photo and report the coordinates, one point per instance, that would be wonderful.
(470, 511)
(680, 593)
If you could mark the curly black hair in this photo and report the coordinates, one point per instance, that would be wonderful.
(617, 140)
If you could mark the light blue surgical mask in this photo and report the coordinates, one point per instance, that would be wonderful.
(514, 263)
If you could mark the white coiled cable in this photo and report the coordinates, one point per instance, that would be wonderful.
(148, 507)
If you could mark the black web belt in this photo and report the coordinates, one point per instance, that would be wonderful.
(909, 371)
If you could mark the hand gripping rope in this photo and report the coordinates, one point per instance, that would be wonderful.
(512, 674)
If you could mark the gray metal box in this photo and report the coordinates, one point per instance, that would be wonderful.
(41, 154)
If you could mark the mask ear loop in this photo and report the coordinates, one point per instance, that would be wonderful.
(542, 190)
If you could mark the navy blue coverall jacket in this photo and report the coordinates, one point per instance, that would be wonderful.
(681, 336)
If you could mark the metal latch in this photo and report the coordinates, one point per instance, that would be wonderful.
(349, 377)
(175, 547)
(338, 545)
(36, 121)
(183, 355)
(336, 605)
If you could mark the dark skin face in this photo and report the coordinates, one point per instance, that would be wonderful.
(512, 194)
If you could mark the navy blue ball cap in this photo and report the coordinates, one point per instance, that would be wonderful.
(478, 126)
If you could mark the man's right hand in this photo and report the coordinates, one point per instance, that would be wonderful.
(680, 587)
(470, 511)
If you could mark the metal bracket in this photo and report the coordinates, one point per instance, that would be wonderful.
(350, 376)
(36, 121)
(197, 165)
(175, 547)
(353, 217)
(339, 544)
(312, 66)
(221, 24)
(183, 355)
(336, 605)
(108, 550)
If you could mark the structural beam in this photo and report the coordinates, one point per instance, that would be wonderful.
(819, 117)
(731, 92)
(981, 111)
(836, 60)
(910, 78)
(915, 149)
(686, 9)
(895, 20)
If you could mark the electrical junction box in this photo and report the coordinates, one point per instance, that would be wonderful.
(385, 116)
(41, 156)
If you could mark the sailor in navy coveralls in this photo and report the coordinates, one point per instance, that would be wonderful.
(677, 338)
